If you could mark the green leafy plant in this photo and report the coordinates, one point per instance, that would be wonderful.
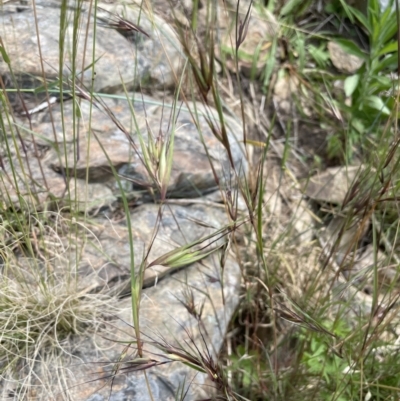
(322, 363)
(248, 369)
(371, 90)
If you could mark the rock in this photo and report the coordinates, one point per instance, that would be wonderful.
(342, 60)
(174, 11)
(196, 171)
(83, 152)
(104, 250)
(40, 186)
(302, 220)
(75, 150)
(99, 253)
(360, 272)
(163, 318)
(344, 236)
(272, 197)
(255, 49)
(331, 185)
(191, 173)
(103, 247)
(119, 60)
(287, 88)
(89, 197)
(36, 183)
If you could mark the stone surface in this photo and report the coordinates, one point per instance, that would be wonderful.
(344, 236)
(287, 89)
(302, 220)
(163, 318)
(342, 60)
(191, 174)
(89, 197)
(132, 61)
(259, 35)
(36, 182)
(362, 270)
(200, 162)
(86, 151)
(105, 260)
(331, 185)
(61, 162)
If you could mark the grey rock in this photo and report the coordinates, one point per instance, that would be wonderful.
(332, 185)
(163, 318)
(343, 61)
(259, 35)
(192, 172)
(71, 152)
(27, 180)
(343, 236)
(38, 186)
(89, 197)
(200, 162)
(85, 368)
(78, 152)
(362, 269)
(133, 61)
(104, 250)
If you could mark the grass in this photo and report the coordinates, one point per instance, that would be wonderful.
(311, 324)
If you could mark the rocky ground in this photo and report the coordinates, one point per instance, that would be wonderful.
(80, 157)
(65, 167)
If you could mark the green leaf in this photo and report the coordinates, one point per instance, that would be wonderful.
(300, 48)
(319, 54)
(374, 7)
(290, 6)
(269, 66)
(387, 30)
(350, 47)
(380, 83)
(358, 125)
(4, 55)
(348, 11)
(362, 19)
(376, 103)
(389, 48)
(350, 84)
(390, 62)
